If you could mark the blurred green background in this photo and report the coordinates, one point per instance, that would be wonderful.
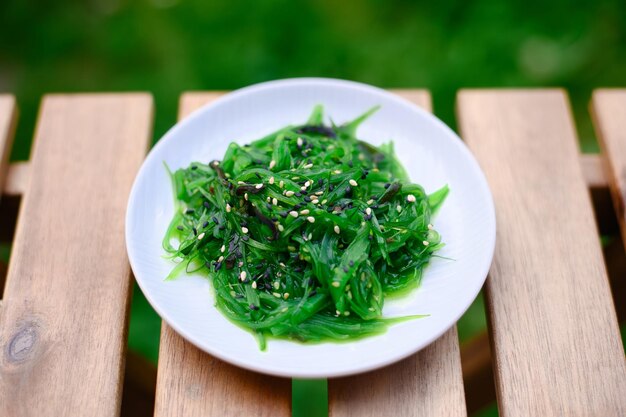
(169, 46)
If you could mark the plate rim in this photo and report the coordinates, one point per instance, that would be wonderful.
(287, 82)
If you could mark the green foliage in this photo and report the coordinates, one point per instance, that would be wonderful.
(168, 46)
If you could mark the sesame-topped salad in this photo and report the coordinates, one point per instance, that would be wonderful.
(304, 232)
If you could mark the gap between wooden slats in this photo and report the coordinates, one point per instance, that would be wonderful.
(428, 383)
(608, 108)
(8, 116)
(193, 383)
(555, 339)
(64, 315)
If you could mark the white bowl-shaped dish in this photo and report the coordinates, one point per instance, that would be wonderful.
(433, 156)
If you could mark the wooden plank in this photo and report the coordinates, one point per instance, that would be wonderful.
(17, 178)
(609, 114)
(193, 383)
(428, 383)
(593, 170)
(555, 339)
(64, 317)
(8, 118)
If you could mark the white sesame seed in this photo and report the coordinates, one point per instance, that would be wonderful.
(271, 181)
(293, 213)
(258, 186)
(223, 248)
(336, 284)
(243, 275)
(286, 295)
(303, 188)
(240, 182)
(319, 192)
(281, 228)
(347, 313)
(361, 157)
(281, 184)
(275, 201)
(254, 284)
(272, 164)
(220, 259)
(370, 202)
(275, 294)
(337, 229)
(308, 166)
(399, 208)
(228, 208)
(282, 264)
(201, 236)
(295, 178)
(245, 196)
(324, 201)
(215, 163)
(337, 171)
(353, 183)
(244, 229)
(338, 312)
(284, 310)
(307, 184)
(426, 243)
(430, 227)
(368, 211)
(276, 285)
(371, 309)
(410, 198)
(240, 264)
(305, 211)
(268, 199)
(311, 219)
(299, 142)
(310, 236)
(289, 193)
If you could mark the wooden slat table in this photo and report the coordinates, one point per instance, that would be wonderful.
(553, 329)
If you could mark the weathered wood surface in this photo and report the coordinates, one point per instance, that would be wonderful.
(555, 339)
(64, 316)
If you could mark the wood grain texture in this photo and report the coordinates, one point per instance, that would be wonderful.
(609, 115)
(555, 339)
(193, 383)
(64, 317)
(428, 383)
(8, 118)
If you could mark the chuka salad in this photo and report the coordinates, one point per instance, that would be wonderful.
(304, 232)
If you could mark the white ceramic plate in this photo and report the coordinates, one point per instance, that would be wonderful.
(433, 156)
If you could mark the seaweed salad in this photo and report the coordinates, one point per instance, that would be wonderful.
(304, 232)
